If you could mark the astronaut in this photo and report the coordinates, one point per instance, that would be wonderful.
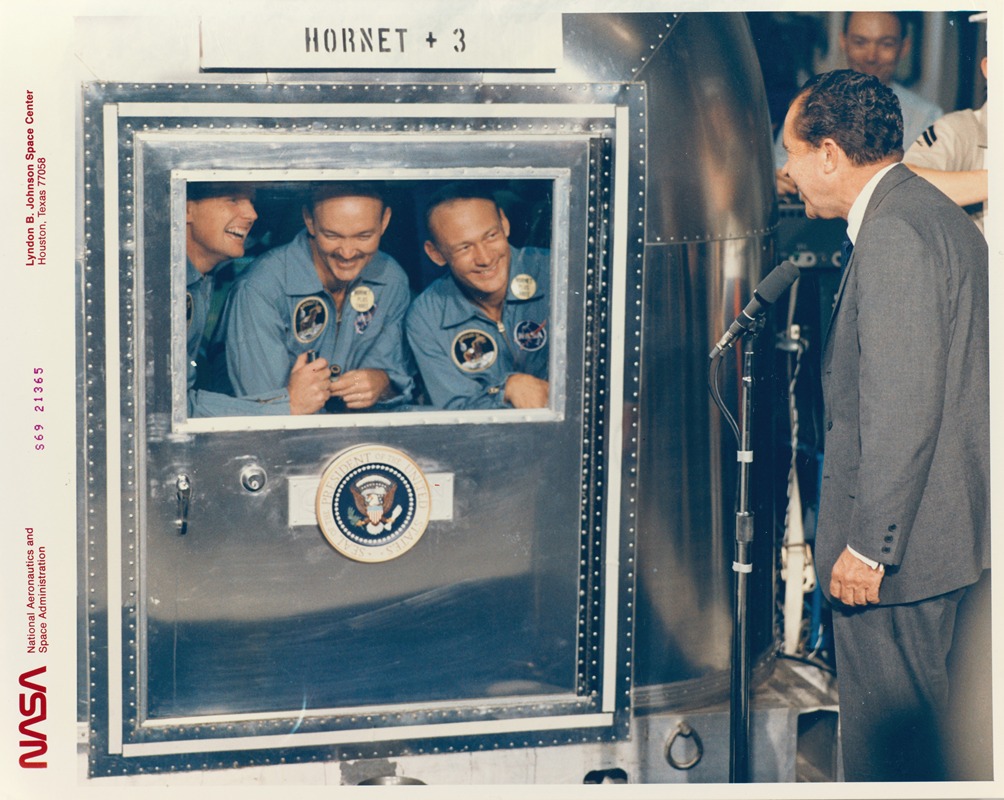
(329, 301)
(218, 220)
(479, 333)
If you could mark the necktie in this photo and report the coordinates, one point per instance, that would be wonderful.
(846, 247)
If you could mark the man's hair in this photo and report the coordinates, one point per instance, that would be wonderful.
(457, 190)
(329, 190)
(903, 17)
(855, 110)
(203, 190)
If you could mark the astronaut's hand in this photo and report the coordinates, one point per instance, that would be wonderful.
(526, 391)
(309, 385)
(360, 388)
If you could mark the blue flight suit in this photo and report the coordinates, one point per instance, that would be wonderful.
(279, 308)
(202, 403)
(464, 357)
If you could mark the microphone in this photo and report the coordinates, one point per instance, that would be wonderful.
(766, 292)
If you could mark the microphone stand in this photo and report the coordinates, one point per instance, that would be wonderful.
(739, 709)
(742, 566)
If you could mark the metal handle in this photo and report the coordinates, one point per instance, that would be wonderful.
(683, 729)
(184, 494)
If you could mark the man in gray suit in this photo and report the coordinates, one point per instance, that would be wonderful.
(903, 535)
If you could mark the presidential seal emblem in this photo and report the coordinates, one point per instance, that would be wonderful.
(474, 350)
(310, 318)
(373, 503)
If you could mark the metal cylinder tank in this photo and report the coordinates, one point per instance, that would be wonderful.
(710, 215)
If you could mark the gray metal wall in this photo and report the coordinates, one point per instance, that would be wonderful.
(710, 216)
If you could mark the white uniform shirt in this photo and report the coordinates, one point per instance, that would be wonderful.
(956, 142)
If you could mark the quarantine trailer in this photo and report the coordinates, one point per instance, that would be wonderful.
(549, 597)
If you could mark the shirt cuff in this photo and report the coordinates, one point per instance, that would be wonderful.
(865, 559)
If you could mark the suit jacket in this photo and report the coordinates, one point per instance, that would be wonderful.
(906, 397)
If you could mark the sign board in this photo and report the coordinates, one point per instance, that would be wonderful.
(383, 40)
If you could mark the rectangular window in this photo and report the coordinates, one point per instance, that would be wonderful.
(245, 349)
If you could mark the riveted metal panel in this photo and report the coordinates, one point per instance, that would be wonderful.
(510, 622)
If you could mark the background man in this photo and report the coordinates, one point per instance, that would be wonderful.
(480, 334)
(874, 42)
(329, 295)
(218, 219)
(903, 523)
(951, 154)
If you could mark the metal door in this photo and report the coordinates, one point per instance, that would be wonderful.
(223, 626)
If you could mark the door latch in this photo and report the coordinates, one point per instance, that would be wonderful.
(184, 493)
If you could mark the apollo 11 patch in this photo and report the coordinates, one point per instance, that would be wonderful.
(474, 350)
(373, 503)
(310, 318)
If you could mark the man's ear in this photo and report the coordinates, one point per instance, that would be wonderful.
(904, 48)
(831, 153)
(505, 223)
(433, 253)
(385, 221)
(308, 221)
(189, 213)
